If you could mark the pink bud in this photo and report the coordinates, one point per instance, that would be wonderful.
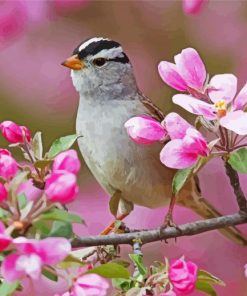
(14, 133)
(67, 161)
(61, 187)
(3, 193)
(8, 166)
(5, 151)
(5, 240)
(89, 285)
(183, 276)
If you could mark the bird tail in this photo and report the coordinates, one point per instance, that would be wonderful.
(207, 211)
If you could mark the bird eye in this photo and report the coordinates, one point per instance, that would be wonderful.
(99, 62)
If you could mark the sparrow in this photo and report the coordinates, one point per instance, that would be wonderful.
(130, 173)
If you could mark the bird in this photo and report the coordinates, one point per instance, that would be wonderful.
(131, 174)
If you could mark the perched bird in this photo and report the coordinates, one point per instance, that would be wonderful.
(129, 173)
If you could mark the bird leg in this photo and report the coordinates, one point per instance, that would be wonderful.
(168, 222)
(111, 226)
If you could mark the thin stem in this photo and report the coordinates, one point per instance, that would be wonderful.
(227, 138)
(238, 142)
(222, 137)
(235, 139)
(237, 147)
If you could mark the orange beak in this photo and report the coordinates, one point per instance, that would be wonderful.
(74, 63)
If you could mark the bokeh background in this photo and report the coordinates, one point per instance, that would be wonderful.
(36, 36)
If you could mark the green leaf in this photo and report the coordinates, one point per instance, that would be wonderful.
(70, 261)
(122, 284)
(238, 160)
(6, 289)
(61, 229)
(180, 179)
(206, 276)
(50, 275)
(137, 259)
(43, 227)
(22, 200)
(60, 215)
(61, 144)
(206, 287)
(37, 145)
(111, 270)
(41, 164)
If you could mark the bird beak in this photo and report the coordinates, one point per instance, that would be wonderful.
(74, 63)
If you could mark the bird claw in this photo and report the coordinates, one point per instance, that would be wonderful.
(169, 223)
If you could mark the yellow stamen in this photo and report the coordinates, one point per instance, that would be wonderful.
(220, 107)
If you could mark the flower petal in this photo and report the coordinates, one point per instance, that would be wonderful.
(8, 268)
(173, 155)
(176, 126)
(195, 106)
(235, 121)
(195, 142)
(144, 129)
(193, 7)
(191, 67)
(241, 99)
(169, 74)
(223, 87)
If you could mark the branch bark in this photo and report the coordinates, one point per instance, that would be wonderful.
(148, 236)
(234, 180)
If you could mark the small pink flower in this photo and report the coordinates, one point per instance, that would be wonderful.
(90, 285)
(183, 276)
(187, 73)
(193, 7)
(61, 187)
(14, 133)
(5, 240)
(5, 151)
(186, 144)
(8, 166)
(144, 129)
(3, 193)
(67, 161)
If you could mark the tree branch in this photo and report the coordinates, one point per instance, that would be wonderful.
(234, 180)
(158, 234)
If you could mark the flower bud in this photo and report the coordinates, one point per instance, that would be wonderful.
(8, 166)
(183, 276)
(3, 193)
(5, 240)
(61, 187)
(90, 284)
(14, 133)
(5, 151)
(67, 161)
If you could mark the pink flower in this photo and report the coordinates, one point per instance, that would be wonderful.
(14, 133)
(144, 129)
(187, 73)
(61, 187)
(32, 255)
(186, 144)
(90, 285)
(5, 240)
(67, 161)
(8, 166)
(225, 104)
(3, 193)
(183, 276)
(245, 270)
(31, 192)
(5, 151)
(193, 7)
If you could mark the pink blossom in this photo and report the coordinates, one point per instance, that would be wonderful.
(67, 161)
(187, 73)
(14, 133)
(144, 129)
(32, 255)
(193, 7)
(3, 193)
(5, 151)
(31, 192)
(245, 270)
(183, 276)
(5, 240)
(90, 285)
(61, 187)
(186, 144)
(8, 166)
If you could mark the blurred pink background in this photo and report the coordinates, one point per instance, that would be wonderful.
(36, 36)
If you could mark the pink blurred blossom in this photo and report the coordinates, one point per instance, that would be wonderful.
(183, 275)
(8, 166)
(31, 192)
(3, 193)
(193, 7)
(186, 144)
(32, 255)
(67, 161)
(187, 72)
(245, 270)
(14, 133)
(61, 187)
(5, 151)
(5, 240)
(145, 130)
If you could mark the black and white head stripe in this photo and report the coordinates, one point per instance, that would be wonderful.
(101, 48)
